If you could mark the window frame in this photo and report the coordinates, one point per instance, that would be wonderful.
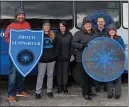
(123, 14)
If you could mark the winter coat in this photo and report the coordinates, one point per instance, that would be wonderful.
(63, 46)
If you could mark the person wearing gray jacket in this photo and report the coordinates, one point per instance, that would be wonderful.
(79, 42)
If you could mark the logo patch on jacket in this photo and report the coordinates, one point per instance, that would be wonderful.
(47, 42)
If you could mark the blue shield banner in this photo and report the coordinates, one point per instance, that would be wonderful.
(25, 49)
(104, 59)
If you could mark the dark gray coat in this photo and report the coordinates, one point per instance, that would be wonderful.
(80, 38)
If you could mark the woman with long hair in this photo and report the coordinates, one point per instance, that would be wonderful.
(79, 42)
(47, 61)
(112, 33)
(63, 49)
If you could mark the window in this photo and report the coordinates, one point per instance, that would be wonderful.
(53, 10)
(125, 15)
(8, 9)
(85, 8)
(37, 11)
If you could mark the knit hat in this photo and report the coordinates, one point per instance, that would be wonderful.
(19, 11)
(112, 26)
(85, 20)
(46, 22)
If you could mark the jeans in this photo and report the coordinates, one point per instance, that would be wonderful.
(15, 81)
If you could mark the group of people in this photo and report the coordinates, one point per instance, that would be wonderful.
(58, 48)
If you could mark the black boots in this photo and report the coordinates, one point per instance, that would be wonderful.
(92, 94)
(97, 89)
(117, 96)
(60, 89)
(110, 96)
(87, 97)
(50, 95)
(65, 89)
(38, 96)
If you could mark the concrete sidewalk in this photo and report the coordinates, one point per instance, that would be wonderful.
(73, 98)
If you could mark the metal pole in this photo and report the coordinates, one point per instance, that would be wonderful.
(21, 4)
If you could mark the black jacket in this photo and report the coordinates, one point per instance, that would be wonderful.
(102, 33)
(49, 50)
(80, 38)
(63, 46)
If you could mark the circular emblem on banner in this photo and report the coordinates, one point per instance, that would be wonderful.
(94, 16)
(25, 57)
(104, 59)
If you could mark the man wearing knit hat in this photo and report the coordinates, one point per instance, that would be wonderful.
(15, 87)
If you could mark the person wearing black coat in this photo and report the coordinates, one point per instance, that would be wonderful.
(79, 42)
(101, 29)
(63, 50)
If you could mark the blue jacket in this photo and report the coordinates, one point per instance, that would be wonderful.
(120, 40)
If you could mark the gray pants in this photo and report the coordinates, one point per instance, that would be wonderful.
(41, 73)
(115, 84)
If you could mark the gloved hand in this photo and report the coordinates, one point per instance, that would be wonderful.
(84, 45)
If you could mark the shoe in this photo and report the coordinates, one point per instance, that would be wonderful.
(12, 99)
(38, 96)
(87, 97)
(65, 89)
(117, 96)
(50, 95)
(92, 94)
(110, 96)
(105, 89)
(22, 94)
(97, 89)
(59, 90)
